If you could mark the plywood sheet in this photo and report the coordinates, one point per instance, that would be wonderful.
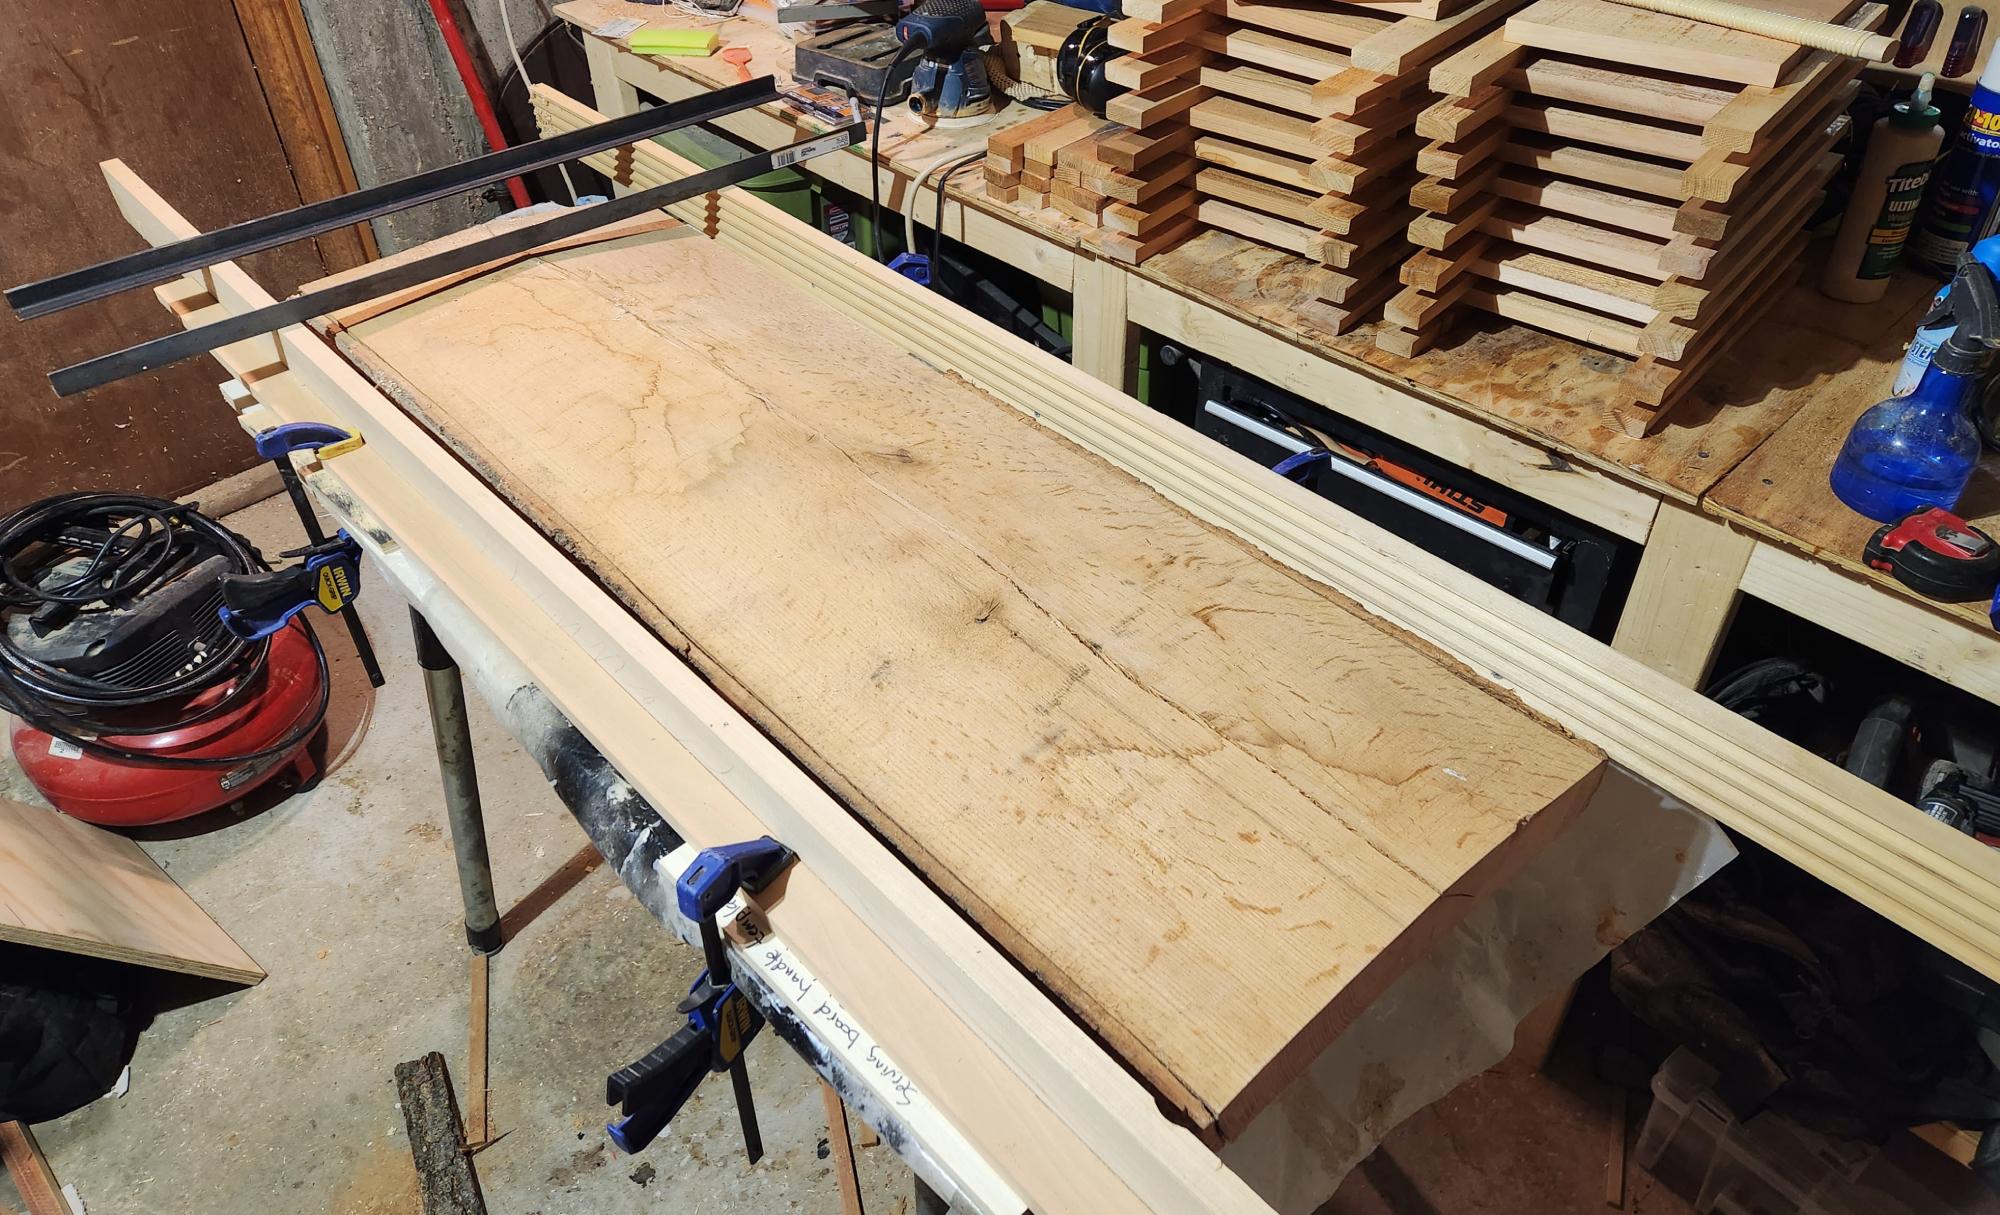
(1213, 806)
(67, 885)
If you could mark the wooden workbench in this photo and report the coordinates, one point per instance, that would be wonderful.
(1513, 404)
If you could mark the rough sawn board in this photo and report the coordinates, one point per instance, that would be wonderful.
(1215, 807)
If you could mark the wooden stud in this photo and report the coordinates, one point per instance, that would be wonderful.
(1684, 595)
(30, 1170)
(845, 1176)
(476, 1129)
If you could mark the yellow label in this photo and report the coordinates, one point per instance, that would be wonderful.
(732, 1026)
(334, 589)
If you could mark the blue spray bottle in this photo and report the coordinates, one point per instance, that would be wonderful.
(1917, 451)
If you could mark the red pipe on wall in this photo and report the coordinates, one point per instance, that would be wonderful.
(482, 106)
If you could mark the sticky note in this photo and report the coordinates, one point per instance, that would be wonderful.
(674, 42)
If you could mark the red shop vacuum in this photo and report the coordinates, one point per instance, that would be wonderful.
(135, 699)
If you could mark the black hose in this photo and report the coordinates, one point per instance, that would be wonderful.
(147, 543)
(917, 42)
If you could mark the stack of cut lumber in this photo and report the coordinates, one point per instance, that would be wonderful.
(1131, 186)
(1626, 179)
(1302, 121)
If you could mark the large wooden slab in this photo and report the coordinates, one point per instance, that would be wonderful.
(67, 885)
(1215, 807)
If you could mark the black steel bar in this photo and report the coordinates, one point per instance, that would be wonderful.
(172, 349)
(164, 262)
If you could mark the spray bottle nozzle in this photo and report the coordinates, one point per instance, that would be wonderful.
(1973, 304)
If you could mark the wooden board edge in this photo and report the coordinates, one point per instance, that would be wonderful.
(114, 953)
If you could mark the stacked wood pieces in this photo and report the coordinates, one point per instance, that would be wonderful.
(1030, 38)
(1303, 125)
(1625, 179)
(1020, 159)
(1132, 186)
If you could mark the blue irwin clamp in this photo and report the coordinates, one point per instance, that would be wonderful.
(720, 1018)
(254, 606)
(334, 565)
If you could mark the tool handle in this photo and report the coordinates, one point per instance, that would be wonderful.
(1841, 40)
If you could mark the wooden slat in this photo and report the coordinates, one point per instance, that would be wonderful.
(1633, 212)
(1274, 51)
(1555, 316)
(1656, 95)
(1646, 138)
(1254, 124)
(1269, 197)
(1139, 36)
(1260, 86)
(1595, 165)
(1409, 44)
(1474, 67)
(1343, 28)
(1619, 33)
(1244, 158)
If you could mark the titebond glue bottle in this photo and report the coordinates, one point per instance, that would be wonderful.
(1887, 192)
(1960, 209)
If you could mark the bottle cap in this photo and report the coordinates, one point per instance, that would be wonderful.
(1917, 113)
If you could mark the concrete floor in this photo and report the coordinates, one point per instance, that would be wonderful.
(281, 1097)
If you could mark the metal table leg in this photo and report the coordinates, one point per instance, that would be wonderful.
(461, 786)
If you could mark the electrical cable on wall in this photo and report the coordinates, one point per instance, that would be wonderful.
(507, 25)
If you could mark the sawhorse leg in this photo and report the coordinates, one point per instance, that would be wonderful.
(453, 733)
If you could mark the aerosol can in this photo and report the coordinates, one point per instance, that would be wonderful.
(1960, 209)
(1917, 451)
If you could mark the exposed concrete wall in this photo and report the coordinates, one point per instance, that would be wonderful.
(400, 104)
(528, 16)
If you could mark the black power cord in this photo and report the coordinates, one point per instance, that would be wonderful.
(937, 228)
(918, 41)
(134, 545)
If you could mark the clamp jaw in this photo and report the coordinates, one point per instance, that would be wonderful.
(720, 1019)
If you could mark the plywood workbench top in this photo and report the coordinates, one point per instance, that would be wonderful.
(1215, 807)
(1552, 390)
